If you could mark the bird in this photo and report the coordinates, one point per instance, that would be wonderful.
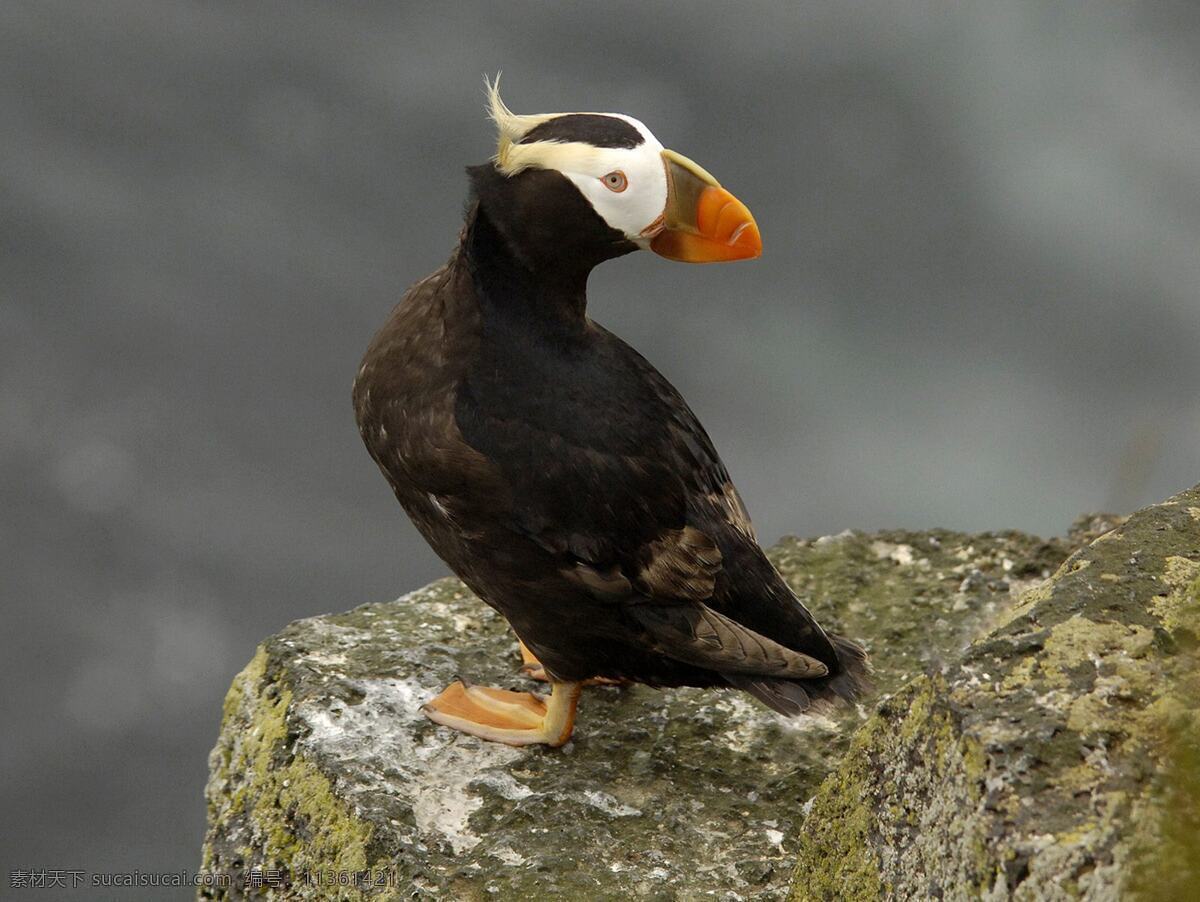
(557, 473)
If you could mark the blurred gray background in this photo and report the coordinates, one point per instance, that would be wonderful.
(979, 308)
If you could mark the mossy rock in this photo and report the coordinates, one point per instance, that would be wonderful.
(1057, 758)
(325, 768)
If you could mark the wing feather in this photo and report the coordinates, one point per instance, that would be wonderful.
(680, 563)
(696, 634)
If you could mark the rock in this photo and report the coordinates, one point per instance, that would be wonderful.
(1058, 757)
(325, 769)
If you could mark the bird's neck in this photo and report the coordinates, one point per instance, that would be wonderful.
(518, 287)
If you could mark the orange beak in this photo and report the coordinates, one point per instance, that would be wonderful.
(702, 223)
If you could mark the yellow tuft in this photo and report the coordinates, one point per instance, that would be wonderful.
(512, 157)
(509, 126)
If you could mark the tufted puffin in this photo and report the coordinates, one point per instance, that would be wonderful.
(554, 469)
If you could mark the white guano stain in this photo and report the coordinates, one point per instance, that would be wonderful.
(602, 801)
(377, 734)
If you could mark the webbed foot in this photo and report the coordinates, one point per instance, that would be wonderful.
(501, 715)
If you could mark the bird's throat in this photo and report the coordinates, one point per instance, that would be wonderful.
(519, 288)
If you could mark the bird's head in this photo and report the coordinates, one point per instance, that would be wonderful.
(585, 181)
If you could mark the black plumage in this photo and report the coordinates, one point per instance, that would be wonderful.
(565, 480)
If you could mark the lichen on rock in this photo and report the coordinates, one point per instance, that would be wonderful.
(1052, 760)
(325, 768)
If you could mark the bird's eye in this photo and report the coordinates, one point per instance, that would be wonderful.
(615, 181)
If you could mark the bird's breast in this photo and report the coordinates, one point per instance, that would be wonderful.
(405, 390)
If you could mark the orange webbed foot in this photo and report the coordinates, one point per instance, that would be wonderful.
(502, 715)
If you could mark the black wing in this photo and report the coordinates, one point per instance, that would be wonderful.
(608, 467)
(611, 472)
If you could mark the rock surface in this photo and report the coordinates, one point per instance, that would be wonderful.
(1035, 737)
(324, 767)
(1058, 757)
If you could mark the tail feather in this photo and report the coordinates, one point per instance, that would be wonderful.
(846, 683)
(784, 696)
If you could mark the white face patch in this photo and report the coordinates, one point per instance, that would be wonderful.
(631, 210)
(643, 189)
(644, 196)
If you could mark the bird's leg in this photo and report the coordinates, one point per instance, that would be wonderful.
(532, 668)
(530, 665)
(501, 715)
